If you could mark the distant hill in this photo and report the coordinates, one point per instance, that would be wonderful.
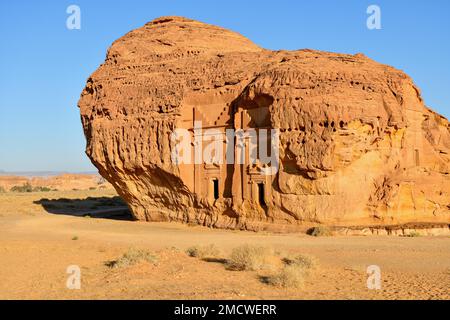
(50, 180)
(41, 173)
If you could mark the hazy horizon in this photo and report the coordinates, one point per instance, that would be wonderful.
(44, 173)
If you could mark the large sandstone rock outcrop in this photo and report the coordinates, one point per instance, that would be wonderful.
(357, 144)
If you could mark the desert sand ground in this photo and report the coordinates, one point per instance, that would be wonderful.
(37, 246)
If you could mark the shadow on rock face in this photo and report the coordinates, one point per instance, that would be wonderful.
(93, 207)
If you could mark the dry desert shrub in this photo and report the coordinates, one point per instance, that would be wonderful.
(41, 189)
(29, 188)
(412, 234)
(24, 188)
(320, 231)
(291, 276)
(247, 257)
(132, 257)
(303, 261)
(202, 252)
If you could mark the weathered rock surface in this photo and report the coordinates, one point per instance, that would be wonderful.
(357, 144)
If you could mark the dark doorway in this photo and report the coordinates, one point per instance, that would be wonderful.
(261, 195)
(216, 189)
(416, 157)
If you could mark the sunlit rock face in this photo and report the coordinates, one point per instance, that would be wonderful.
(357, 145)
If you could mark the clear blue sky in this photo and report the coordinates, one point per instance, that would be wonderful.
(44, 66)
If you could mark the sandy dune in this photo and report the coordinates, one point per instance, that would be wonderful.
(37, 246)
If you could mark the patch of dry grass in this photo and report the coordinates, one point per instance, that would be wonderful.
(291, 276)
(202, 252)
(303, 261)
(295, 271)
(412, 234)
(27, 187)
(320, 231)
(133, 256)
(247, 257)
